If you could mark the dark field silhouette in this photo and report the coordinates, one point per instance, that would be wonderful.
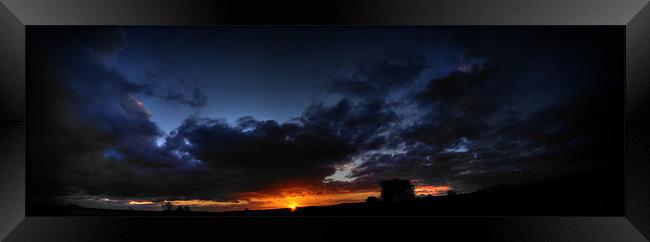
(575, 195)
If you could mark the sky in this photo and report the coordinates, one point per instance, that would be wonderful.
(227, 118)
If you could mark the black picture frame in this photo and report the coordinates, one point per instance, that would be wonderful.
(15, 15)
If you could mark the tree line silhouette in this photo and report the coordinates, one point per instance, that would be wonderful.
(569, 195)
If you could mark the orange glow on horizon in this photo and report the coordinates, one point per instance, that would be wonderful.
(194, 203)
(424, 190)
(141, 202)
(289, 198)
(308, 199)
(292, 199)
(206, 203)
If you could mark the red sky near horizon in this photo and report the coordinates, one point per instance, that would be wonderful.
(285, 198)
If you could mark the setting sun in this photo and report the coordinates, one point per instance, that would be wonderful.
(293, 207)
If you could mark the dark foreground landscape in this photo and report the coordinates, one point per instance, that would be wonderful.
(576, 195)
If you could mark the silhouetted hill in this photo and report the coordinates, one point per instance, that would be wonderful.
(575, 195)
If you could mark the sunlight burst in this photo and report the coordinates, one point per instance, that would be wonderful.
(293, 207)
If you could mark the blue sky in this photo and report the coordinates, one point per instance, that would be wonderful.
(267, 74)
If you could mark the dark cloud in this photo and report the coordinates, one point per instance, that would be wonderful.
(478, 125)
(360, 123)
(276, 153)
(165, 83)
(375, 76)
(91, 124)
(458, 106)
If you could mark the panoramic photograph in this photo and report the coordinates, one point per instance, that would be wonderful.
(325, 121)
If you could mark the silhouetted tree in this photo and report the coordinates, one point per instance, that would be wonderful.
(372, 200)
(452, 192)
(396, 190)
(167, 206)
